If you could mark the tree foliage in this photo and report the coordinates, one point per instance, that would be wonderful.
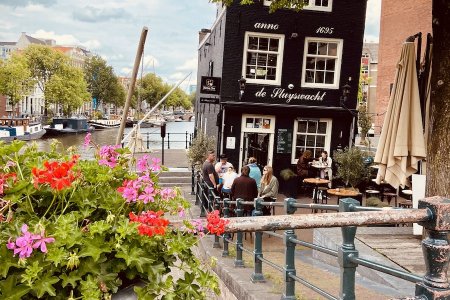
(15, 79)
(200, 146)
(102, 83)
(43, 63)
(275, 5)
(68, 89)
(350, 165)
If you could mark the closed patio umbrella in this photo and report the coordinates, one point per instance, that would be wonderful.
(401, 145)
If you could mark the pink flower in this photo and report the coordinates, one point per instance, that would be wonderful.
(148, 195)
(142, 164)
(108, 156)
(155, 166)
(10, 245)
(167, 194)
(130, 194)
(181, 212)
(87, 140)
(24, 243)
(10, 163)
(41, 241)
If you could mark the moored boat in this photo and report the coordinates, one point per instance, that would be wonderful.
(68, 125)
(20, 129)
(104, 124)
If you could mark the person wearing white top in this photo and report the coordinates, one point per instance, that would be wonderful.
(222, 167)
(326, 162)
(228, 179)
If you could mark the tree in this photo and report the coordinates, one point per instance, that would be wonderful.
(151, 89)
(15, 79)
(364, 121)
(102, 82)
(68, 89)
(438, 163)
(44, 62)
(177, 98)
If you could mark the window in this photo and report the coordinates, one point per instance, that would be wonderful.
(322, 63)
(263, 57)
(311, 134)
(320, 5)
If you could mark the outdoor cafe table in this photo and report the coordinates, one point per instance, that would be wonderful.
(341, 193)
(316, 182)
(319, 168)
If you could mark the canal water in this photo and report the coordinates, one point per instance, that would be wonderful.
(175, 132)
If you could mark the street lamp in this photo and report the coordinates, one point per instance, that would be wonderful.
(345, 93)
(241, 82)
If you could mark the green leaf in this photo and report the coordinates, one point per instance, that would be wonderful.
(89, 289)
(94, 247)
(44, 285)
(70, 278)
(134, 257)
(56, 255)
(31, 273)
(99, 227)
(7, 261)
(10, 291)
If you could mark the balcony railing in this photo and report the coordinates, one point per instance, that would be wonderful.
(433, 213)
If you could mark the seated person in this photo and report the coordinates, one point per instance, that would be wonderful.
(245, 188)
(228, 179)
(222, 167)
(303, 166)
(268, 188)
(326, 161)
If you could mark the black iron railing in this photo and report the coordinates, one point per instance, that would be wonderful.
(433, 214)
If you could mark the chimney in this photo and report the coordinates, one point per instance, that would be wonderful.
(202, 33)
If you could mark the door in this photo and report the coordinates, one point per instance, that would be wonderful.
(257, 137)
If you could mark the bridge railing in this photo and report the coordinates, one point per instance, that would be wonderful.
(178, 138)
(433, 213)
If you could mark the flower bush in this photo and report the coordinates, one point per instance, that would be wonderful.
(83, 229)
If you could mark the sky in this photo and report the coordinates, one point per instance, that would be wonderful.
(111, 29)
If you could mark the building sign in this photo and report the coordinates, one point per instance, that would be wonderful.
(284, 140)
(282, 94)
(209, 100)
(267, 26)
(210, 85)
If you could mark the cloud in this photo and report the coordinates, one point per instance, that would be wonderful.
(188, 65)
(368, 38)
(91, 44)
(373, 15)
(67, 39)
(18, 3)
(92, 14)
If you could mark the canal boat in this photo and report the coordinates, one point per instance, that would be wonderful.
(20, 129)
(104, 124)
(69, 126)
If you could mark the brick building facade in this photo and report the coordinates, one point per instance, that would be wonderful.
(295, 65)
(399, 20)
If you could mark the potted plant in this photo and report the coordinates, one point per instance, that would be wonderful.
(200, 145)
(84, 229)
(351, 167)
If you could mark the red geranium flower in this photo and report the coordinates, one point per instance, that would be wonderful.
(151, 223)
(58, 175)
(216, 225)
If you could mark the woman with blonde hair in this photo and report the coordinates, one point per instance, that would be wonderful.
(269, 187)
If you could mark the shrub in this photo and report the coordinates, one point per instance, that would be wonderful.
(200, 146)
(350, 165)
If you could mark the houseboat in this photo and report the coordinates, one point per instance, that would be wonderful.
(20, 129)
(68, 125)
(104, 124)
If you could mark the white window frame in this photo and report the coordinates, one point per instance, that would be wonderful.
(280, 53)
(337, 70)
(326, 147)
(310, 6)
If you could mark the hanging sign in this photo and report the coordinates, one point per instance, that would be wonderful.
(210, 85)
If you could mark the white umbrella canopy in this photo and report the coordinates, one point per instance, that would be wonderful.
(402, 144)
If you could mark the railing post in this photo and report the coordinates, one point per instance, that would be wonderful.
(436, 250)
(193, 182)
(226, 214)
(347, 250)
(186, 139)
(204, 198)
(210, 199)
(148, 140)
(239, 262)
(289, 268)
(198, 197)
(168, 140)
(216, 207)
(257, 275)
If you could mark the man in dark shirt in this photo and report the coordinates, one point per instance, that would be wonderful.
(245, 187)
(210, 175)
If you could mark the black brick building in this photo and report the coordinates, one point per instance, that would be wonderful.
(295, 65)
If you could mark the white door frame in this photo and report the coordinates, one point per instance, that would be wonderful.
(255, 127)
